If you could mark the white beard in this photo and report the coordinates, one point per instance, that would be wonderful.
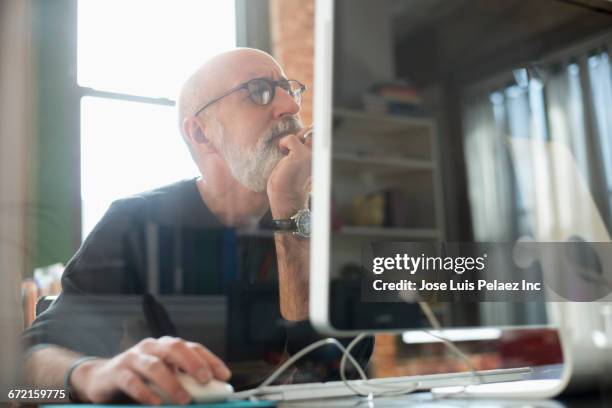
(251, 167)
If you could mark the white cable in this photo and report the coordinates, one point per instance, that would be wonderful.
(433, 321)
(387, 389)
(429, 314)
(383, 389)
(253, 392)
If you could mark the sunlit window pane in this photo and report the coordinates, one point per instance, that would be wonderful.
(148, 47)
(126, 148)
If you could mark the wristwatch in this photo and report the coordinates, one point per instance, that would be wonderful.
(299, 224)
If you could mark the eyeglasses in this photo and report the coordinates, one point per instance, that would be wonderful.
(262, 91)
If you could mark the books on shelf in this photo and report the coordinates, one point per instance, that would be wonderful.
(387, 208)
(399, 98)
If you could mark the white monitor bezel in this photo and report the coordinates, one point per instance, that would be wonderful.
(321, 197)
(319, 310)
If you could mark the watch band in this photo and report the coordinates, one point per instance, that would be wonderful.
(298, 224)
(68, 374)
(284, 225)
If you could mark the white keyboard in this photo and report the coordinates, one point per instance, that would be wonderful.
(295, 392)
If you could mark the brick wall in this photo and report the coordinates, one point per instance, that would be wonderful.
(292, 24)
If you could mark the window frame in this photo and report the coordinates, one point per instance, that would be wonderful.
(55, 224)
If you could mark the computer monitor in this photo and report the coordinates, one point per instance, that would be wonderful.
(416, 107)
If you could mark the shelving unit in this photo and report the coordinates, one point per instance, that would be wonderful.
(361, 159)
(374, 153)
(381, 120)
(412, 233)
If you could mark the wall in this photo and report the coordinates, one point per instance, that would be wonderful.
(253, 24)
(365, 56)
(56, 162)
(292, 23)
(15, 141)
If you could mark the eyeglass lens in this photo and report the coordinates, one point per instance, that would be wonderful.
(261, 90)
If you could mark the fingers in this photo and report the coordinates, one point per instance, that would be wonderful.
(192, 358)
(148, 371)
(178, 353)
(132, 385)
(306, 138)
(293, 144)
(153, 369)
(218, 367)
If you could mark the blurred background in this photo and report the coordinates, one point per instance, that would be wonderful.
(87, 116)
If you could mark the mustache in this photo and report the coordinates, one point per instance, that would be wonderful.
(286, 127)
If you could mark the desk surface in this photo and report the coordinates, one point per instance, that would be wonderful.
(600, 397)
(230, 404)
(422, 399)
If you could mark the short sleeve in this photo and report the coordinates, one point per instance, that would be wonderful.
(82, 318)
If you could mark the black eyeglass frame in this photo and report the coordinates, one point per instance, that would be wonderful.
(245, 85)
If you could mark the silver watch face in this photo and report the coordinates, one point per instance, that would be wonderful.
(302, 222)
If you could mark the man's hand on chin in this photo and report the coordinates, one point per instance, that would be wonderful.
(288, 189)
(288, 184)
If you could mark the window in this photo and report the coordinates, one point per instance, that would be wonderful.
(559, 108)
(600, 70)
(132, 59)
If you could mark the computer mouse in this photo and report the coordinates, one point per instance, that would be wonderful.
(212, 391)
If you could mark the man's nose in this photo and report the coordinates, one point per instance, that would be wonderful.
(284, 104)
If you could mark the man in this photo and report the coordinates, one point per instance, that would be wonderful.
(239, 117)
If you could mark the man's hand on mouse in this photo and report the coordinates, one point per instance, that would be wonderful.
(150, 363)
(288, 184)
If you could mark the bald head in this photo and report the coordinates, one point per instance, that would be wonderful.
(235, 142)
(217, 75)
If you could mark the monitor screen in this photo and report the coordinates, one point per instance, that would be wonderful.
(441, 126)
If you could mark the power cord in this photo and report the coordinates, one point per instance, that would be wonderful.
(317, 344)
(435, 323)
(367, 389)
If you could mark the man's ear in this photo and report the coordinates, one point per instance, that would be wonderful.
(195, 134)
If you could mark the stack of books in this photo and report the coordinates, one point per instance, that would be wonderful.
(399, 98)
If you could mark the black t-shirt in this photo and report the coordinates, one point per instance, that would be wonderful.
(216, 285)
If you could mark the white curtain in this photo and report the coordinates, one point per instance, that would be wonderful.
(15, 135)
(541, 104)
(489, 182)
(600, 74)
(489, 185)
(549, 105)
(566, 113)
